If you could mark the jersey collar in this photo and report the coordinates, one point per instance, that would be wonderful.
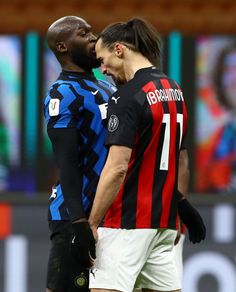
(78, 74)
(151, 69)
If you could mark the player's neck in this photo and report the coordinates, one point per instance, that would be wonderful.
(72, 68)
(135, 63)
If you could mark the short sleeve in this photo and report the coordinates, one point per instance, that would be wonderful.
(62, 107)
(124, 113)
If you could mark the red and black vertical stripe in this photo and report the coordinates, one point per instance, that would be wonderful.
(147, 198)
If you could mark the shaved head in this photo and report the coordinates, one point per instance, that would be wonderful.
(62, 28)
(73, 43)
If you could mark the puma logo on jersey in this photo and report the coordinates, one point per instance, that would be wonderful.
(93, 271)
(94, 92)
(115, 99)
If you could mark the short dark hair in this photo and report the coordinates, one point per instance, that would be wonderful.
(138, 34)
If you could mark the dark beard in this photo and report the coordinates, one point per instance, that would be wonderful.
(85, 61)
(119, 82)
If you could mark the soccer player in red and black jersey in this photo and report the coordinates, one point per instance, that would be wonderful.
(137, 195)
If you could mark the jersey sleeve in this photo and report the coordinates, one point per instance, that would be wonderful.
(124, 113)
(61, 108)
(65, 148)
(62, 114)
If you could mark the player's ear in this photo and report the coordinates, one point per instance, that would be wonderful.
(61, 47)
(119, 48)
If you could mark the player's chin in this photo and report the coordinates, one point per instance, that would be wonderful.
(94, 61)
(118, 81)
(92, 54)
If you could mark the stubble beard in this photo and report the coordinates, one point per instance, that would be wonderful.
(85, 61)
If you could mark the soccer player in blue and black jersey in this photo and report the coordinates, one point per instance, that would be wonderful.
(75, 112)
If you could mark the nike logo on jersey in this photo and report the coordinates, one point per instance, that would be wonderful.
(94, 92)
(115, 99)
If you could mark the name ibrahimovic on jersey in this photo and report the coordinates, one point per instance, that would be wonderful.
(159, 95)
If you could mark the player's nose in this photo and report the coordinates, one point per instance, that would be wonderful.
(103, 69)
(92, 37)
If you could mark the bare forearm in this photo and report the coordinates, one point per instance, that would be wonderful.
(111, 179)
(183, 182)
(109, 185)
(183, 175)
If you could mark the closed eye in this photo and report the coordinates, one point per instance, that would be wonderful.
(83, 32)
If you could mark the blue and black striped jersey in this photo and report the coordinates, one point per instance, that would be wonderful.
(79, 101)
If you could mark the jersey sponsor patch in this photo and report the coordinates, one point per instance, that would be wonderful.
(80, 281)
(54, 105)
(103, 110)
(53, 193)
(113, 123)
(113, 88)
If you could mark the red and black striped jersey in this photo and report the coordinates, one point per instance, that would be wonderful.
(148, 115)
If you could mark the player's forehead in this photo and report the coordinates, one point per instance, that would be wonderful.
(100, 48)
(82, 24)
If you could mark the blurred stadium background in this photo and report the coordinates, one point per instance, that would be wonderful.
(199, 51)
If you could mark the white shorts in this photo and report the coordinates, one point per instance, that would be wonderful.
(178, 256)
(142, 258)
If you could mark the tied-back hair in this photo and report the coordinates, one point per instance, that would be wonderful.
(138, 35)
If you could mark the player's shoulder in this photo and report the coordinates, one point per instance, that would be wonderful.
(108, 86)
(129, 91)
(60, 96)
(107, 83)
(62, 89)
(126, 97)
(173, 83)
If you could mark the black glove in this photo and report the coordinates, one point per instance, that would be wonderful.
(83, 244)
(193, 221)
